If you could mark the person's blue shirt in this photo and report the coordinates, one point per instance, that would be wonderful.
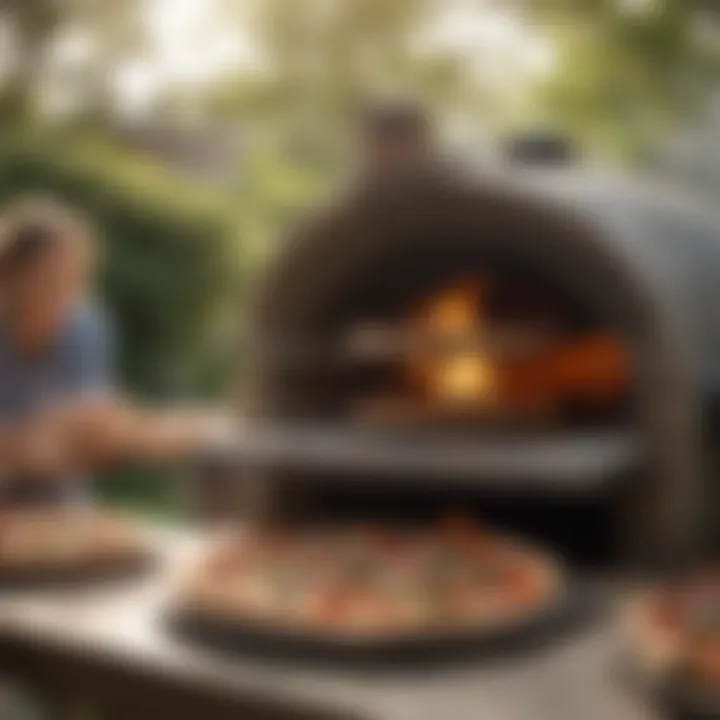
(77, 362)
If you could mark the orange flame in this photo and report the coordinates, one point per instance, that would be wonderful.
(452, 375)
(453, 366)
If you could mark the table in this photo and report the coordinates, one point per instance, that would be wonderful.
(107, 646)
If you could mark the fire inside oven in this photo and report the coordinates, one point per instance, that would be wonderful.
(452, 340)
(464, 340)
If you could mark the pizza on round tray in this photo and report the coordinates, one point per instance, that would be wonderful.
(371, 581)
(58, 539)
(676, 631)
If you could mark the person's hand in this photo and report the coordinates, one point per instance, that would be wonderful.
(98, 431)
(173, 435)
(102, 431)
(38, 450)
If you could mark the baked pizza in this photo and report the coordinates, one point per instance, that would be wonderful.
(371, 581)
(37, 542)
(676, 632)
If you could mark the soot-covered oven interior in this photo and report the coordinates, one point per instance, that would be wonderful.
(530, 347)
(460, 338)
(446, 341)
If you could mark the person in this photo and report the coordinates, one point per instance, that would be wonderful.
(60, 414)
(55, 347)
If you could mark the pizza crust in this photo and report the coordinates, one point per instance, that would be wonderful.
(371, 582)
(63, 538)
(669, 635)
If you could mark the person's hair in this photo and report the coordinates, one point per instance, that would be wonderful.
(30, 226)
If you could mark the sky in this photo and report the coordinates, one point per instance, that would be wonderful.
(189, 47)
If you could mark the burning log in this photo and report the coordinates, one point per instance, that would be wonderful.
(413, 412)
(381, 342)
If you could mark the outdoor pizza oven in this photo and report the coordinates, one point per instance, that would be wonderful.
(537, 343)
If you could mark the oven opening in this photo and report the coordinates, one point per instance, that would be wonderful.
(583, 530)
(458, 340)
(490, 349)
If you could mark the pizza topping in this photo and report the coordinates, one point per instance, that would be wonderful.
(687, 617)
(378, 580)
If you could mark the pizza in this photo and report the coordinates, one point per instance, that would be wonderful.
(62, 538)
(370, 581)
(676, 630)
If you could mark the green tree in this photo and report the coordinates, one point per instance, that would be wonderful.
(170, 264)
(629, 72)
(113, 29)
(319, 62)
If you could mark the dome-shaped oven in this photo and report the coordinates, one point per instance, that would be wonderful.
(563, 325)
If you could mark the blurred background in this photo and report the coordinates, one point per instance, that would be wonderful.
(196, 132)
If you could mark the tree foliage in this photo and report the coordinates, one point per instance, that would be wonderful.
(112, 29)
(629, 71)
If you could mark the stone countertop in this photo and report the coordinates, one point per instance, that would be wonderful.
(576, 677)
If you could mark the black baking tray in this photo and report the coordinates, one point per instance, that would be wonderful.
(72, 575)
(573, 605)
(670, 692)
(681, 699)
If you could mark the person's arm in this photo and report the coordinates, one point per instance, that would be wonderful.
(32, 449)
(108, 428)
(111, 430)
(171, 435)
(90, 426)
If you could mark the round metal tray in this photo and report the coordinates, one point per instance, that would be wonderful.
(668, 688)
(239, 637)
(680, 699)
(672, 695)
(56, 575)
